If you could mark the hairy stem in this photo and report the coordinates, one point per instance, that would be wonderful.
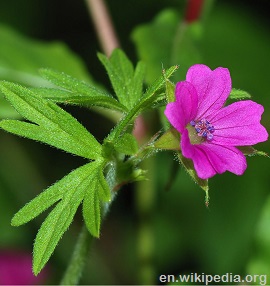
(78, 259)
(145, 201)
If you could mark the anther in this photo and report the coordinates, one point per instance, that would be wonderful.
(203, 128)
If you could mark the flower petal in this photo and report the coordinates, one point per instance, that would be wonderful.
(213, 88)
(225, 158)
(201, 162)
(184, 109)
(238, 124)
(210, 159)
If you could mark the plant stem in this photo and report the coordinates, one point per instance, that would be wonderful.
(145, 198)
(77, 261)
(103, 24)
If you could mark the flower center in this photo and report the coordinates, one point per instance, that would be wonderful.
(200, 131)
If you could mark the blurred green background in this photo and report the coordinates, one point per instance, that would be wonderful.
(233, 235)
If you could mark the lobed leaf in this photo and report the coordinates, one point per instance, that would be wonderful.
(54, 227)
(51, 195)
(72, 189)
(54, 125)
(126, 83)
(144, 102)
(75, 98)
(97, 191)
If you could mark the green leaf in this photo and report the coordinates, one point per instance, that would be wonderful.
(145, 102)
(167, 41)
(72, 189)
(137, 83)
(91, 210)
(97, 192)
(51, 195)
(126, 83)
(54, 227)
(66, 97)
(54, 125)
(21, 57)
(238, 94)
(127, 144)
(80, 92)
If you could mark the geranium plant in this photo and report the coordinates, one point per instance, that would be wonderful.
(207, 135)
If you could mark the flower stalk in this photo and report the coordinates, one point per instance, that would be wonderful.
(104, 26)
(77, 262)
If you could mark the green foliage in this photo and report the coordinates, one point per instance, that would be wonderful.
(148, 100)
(52, 125)
(229, 212)
(76, 92)
(48, 123)
(127, 144)
(127, 82)
(167, 41)
(86, 182)
(21, 57)
(238, 94)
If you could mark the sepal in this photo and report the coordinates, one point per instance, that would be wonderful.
(170, 140)
(250, 151)
(238, 94)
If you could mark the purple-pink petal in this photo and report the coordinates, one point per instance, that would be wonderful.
(200, 160)
(210, 159)
(199, 111)
(225, 158)
(213, 88)
(184, 109)
(238, 124)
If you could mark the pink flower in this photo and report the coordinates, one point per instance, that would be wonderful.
(16, 269)
(209, 130)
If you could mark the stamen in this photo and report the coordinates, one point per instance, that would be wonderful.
(203, 128)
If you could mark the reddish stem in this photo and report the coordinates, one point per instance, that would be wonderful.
(104, 26)
(193, 11)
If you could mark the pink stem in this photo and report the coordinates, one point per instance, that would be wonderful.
(104, 26)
